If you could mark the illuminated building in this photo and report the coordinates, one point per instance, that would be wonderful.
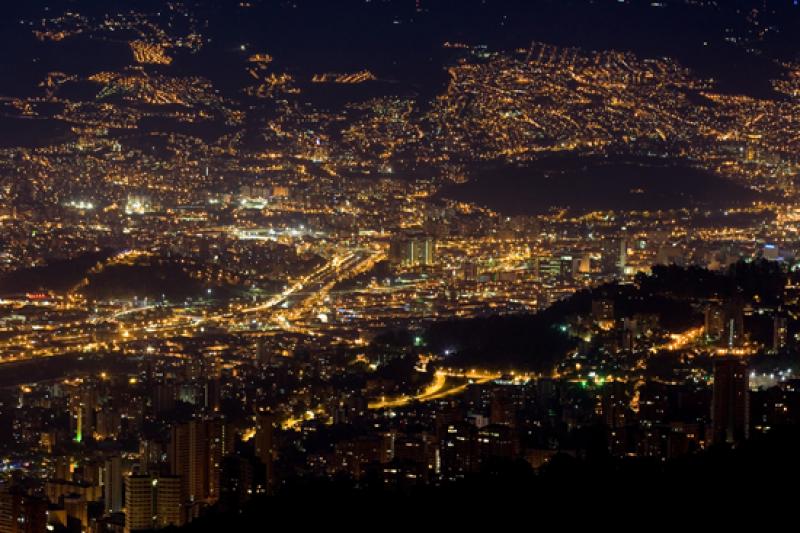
(415, 449)
(553, 268)
(791, 295)
(725, 323)
(280, 191)
(152, 502)
(459, 450)
(138, 205)
(771, 252)
(714, 321)
(753, 146)
(603, 311)
(413, 251)
(734, 323)
(780, 333)
(496, 441)
(615, 403)
(81, 418)
(188, 459)
(355, 456)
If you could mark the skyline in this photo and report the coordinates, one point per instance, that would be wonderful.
(264, 249)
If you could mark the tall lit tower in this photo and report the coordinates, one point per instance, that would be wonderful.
(79, 422)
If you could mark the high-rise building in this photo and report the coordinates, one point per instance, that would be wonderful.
(496, 441)
(76, 510)
(714, 321)
(554, 268)
(212, 390)
(771, 252)
(220, 444)
(469, 271)
(459, 450)
(152, 502)
(614, 256)
(236, 481)
(630, 332)
(151, 453)
(603, 310)
(163, 399)
(139, 503)
(582, 264)
(112, 484)
(753, 146)
(195, 454)
(614, 404)
(502, 410)
(725, 323)
(265, 445)
(780, 333)
(21, 513)
(410, 251)
(184, 457)
(734, 324)
(791, 295)
(730, 401)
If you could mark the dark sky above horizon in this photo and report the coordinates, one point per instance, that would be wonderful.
(735, 42)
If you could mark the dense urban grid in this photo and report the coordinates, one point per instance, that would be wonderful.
(238, 262)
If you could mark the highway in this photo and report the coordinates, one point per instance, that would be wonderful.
(444, 384)
(295, 303)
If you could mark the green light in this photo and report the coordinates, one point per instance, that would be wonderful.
(417, 341)
(79, 431)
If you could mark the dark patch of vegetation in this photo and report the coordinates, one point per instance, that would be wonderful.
(64, 366)
(151, 281)
(607, 183)
(525, 341)
(762, 279)
(537, 342)
(57, 275)
(763, 460)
